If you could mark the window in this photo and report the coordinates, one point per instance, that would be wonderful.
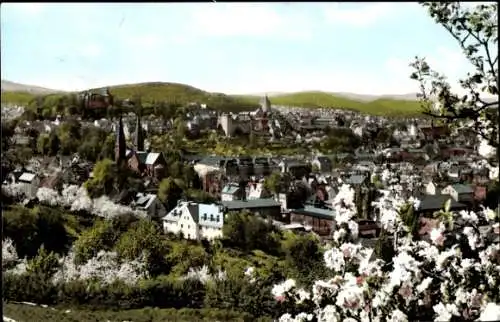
(182, 225)
(189, 227)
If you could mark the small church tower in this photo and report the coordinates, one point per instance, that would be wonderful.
(139, 135)
(120, 145)
(265, 104)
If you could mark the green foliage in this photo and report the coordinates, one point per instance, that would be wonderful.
(18, 98)
(273, 183)
(383, 107)
(162, 99)
(339, 140)
(241, 295)
(102, 183)
(20, 312)
(184, 256)
(297, 247)
(247, 232)
(144, 237)
(259, 247)
(30, 228)
(100, 237)
(169, 192)
(44, 264)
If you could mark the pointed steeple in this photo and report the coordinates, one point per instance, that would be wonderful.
(120, 147)
(139, 135)
(265, 104)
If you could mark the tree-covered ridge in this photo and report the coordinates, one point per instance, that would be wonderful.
(383, 107)
(155, 93)
(152, 95)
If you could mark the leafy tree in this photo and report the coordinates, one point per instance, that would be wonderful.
(476, 32)
(169, 192)
(101, 236)
(54, 143)
(102, 183)
(191, 177)
(273, 183)
(43, 144)
(69, 133)
(184, 256)
(44, 264)
(298, 247)
(30, 228)
(7, 134)
(143, 238)
(21, 225)
(248, 232)
(176, 169)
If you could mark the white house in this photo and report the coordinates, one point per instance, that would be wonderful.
(459, 192)
(211, 221)
(195, 221)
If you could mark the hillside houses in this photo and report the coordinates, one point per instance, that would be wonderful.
(429, 162)
(195, 221)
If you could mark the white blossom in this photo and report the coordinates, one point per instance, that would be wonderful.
(9, 253)
(422, 272)
(491, 312)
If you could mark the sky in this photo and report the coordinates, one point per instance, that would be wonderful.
(238, 48)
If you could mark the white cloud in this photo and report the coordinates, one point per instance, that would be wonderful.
(361, 15)
(247, 19)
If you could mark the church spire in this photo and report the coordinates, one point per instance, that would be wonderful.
(120, 146)
(139, 134)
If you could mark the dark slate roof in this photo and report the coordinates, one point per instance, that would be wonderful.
(462, 188)
(142, 156)
(250, 204)
(214, 161)
(436, 202)
(315, 212)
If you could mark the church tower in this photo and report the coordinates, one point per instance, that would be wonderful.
(120, 145)
(265, 104)
(139, 135)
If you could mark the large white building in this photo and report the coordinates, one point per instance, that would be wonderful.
(195, 220)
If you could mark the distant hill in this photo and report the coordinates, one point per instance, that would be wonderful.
(8, 86)
(363, 103)
(15, 93)
(390, 105)
(149, 93)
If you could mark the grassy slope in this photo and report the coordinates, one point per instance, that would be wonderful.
(387, 107)
(172, 92)
(21, 98)
(27, 313)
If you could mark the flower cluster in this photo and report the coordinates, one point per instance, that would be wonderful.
(75, 198)
(9, 253)
(203, 274)
(104, 267)
(454, 275)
